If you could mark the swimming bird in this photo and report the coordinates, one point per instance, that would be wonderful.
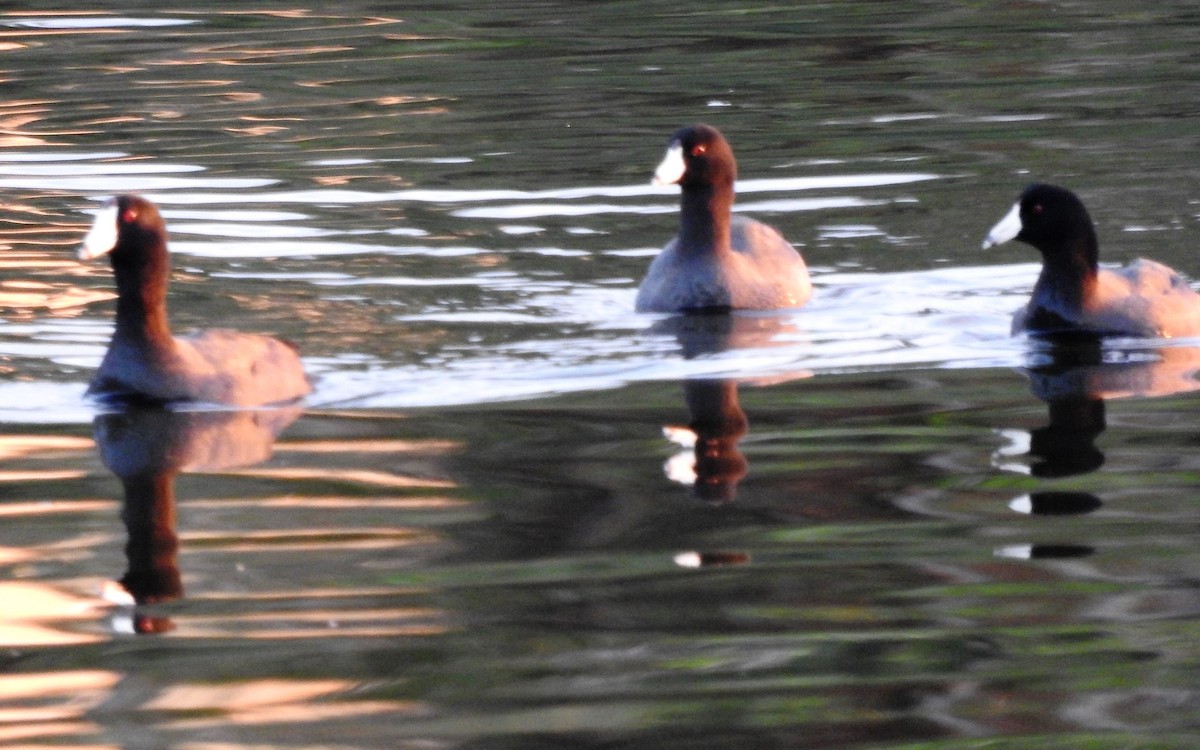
(144, 361)
(1073, 294)
(717, 261)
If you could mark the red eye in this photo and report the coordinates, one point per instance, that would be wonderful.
(129, 215)
(699, 149)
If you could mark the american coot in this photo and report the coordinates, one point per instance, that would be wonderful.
(1073, 294)
(717, 261)
(144, 362)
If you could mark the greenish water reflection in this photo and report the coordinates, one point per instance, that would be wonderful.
(528, 573)
(898, 539)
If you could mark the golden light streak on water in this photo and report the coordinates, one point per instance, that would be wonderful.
(32, 610)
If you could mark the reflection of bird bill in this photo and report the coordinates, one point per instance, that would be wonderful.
(711, 465)
(681, 467)
(1044, 551)
(1056, 504)
(711, 559)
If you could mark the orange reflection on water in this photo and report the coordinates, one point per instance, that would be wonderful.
(31, 610)
(33, 294)
(51, 704)
(48, 448)
(15, 117)
(324, 540)
(355, 476)
(372, 446)
(40, 476)
(76, 684)
(21, 730)
(21, 446)
(242, 97)
(43, 507)
(259, 130)
(270, 702)
(233, 56)
(331, 623)
(431, 502)
(13, 555)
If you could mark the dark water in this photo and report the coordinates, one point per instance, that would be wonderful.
(491, 526)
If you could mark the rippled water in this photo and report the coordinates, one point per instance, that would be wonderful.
(515, 513)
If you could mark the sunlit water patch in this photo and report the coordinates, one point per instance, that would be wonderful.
(564, 337)
(955, 318)
(561, 337)
(531, 327)
(95, 22)
(475, 323)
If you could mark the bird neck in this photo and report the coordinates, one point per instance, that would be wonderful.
(705, 217)
(1071, 277)
(142, 297)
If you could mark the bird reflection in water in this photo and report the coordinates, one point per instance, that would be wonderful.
(1074, 377)
(1067, 445)
(714, 465)
(147, 447)
(717, 422)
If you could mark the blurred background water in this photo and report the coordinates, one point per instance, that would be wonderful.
(516, 514)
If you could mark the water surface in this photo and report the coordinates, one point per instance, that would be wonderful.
(515, 513)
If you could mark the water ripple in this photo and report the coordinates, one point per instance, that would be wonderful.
(95, 22)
